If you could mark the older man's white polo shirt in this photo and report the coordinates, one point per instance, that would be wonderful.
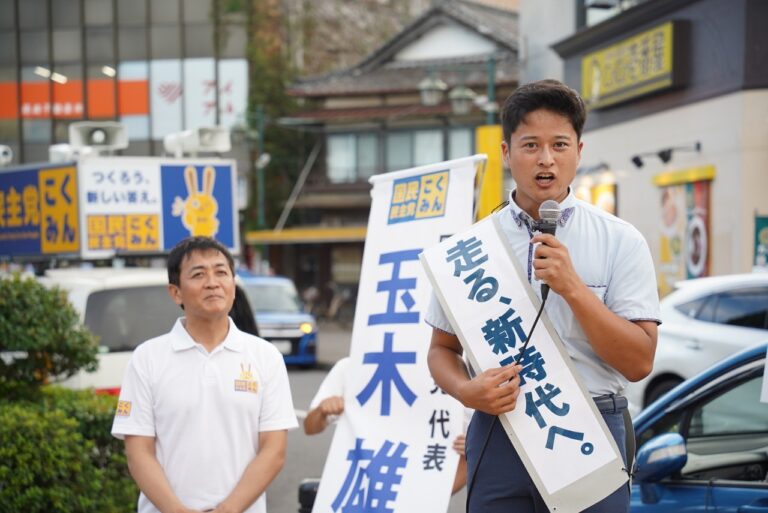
(205, 410)
(610, 256)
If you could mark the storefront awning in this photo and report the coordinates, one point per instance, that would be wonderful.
(308, 235)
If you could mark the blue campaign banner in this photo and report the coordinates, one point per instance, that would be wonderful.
(197, 200)
(19, 232)
(39, 211)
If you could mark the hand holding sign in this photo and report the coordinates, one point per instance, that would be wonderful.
(493, 391)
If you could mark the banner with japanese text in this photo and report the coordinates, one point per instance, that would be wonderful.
(555, 428)
(39, 211)
(391, 451)
(147, 205)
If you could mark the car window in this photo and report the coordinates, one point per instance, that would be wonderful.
(737, 411)
(693, 308)
(669, 423)
(124, 318)
(746, 308)
(273, 297)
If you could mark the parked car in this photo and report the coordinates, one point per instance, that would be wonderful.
(123, 308)
(703, 321)
(281, 318)
(702, 445)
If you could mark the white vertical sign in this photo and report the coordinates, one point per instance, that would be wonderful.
(165, 97)
(392, 447)
(233, 91)
(556, 428)
(199, 93)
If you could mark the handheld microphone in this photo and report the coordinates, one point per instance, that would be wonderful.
(549, 214)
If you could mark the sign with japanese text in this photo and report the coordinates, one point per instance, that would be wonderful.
(147, 205)
(638, 65)
(393, 442)
(555, 428)
(39, 211)
(685, 225)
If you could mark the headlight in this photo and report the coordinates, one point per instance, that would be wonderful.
(307, 327)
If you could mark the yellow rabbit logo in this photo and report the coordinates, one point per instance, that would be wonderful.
(198, 211)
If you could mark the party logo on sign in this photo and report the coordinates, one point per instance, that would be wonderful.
(418, 197)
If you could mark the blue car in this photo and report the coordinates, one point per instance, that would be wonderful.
(280, 317)
(703, 446)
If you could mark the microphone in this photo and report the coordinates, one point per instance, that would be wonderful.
(549, 214)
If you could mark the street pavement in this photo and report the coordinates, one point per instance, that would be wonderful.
(305, 456)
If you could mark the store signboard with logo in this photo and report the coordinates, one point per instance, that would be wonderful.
(685, 225)
(179, 93)
(650, 61)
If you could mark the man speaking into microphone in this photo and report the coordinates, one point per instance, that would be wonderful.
(602, 298)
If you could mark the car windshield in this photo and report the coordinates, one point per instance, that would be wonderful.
(273, 297)
(124, 318)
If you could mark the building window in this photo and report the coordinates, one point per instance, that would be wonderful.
(460, 143)
(352, 157)
(427, 147)
(399, 150)
(407, 149)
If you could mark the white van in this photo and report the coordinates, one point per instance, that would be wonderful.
(123, 308)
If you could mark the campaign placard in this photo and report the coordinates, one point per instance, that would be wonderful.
(394, 441)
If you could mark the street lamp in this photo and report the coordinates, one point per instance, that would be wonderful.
(462, 98)
(432, 89)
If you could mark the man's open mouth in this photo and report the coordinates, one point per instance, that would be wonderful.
(545, 177)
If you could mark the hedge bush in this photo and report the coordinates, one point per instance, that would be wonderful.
(58, 455)
(40, 336)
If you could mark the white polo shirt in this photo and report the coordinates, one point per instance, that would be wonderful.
(205, 410)
(610, 256)
(333, 384)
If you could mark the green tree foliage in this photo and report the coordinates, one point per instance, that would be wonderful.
(40, 337)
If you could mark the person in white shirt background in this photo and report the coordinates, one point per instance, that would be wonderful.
(328, 404)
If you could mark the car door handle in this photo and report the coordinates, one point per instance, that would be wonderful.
(693, 343)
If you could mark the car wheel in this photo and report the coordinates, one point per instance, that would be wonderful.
(660, 388)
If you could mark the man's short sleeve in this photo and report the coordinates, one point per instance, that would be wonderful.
(134, 415)
(333, 384)
(277, 411)
(436, 317)
(633, 293)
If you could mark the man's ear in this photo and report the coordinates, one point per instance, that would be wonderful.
(505, 153)
(175, 293)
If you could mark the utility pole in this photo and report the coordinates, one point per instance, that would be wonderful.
(260, 219)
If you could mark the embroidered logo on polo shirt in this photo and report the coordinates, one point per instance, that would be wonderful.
(246, 383)
(123, 409)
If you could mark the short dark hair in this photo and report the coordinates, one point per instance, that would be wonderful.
(190, 245)
(548, 94)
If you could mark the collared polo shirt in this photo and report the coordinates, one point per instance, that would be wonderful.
(610, 256)
(205, 410)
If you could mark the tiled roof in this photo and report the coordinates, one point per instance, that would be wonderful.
(378, 73)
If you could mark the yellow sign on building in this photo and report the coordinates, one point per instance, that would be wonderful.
(633, 67)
